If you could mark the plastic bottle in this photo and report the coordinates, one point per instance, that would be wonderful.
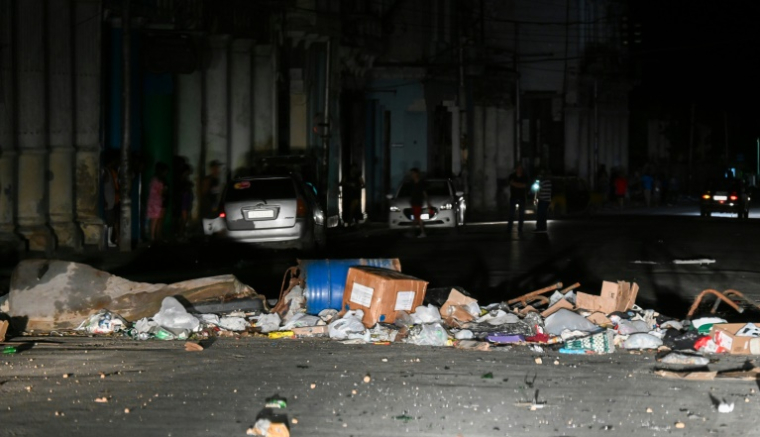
(10, 350)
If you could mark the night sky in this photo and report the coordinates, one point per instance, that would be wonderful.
(695, 52)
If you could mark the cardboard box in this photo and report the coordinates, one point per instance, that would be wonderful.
(311, 331)
(459, 307)
(3, 329)
(618, 296)
(725, 335)
(381, 293)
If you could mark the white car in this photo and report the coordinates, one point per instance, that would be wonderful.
(277, 211)
(447, 206)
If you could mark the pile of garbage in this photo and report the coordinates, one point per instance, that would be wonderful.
(381, 305)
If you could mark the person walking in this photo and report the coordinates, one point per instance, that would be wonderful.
(418, 197)
(157, 199)
(647, 184)
(518, 189)
(543, 200)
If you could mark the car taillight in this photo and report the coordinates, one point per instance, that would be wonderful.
(733, 197)
(300, 208)
(706, 196)
(222, 214)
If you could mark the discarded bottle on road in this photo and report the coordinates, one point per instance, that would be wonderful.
(10, 350)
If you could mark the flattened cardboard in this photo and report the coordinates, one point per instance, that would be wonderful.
(724, 335)
(454, 307)
(707, 375)
(311, 331)
(562, 303)
(599, 319)
(620, 296)
(3, 329)
(381, 293)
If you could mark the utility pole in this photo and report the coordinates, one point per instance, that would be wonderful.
(125, 179)
(691, 144)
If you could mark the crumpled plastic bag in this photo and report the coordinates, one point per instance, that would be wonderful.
(430, 334)
(628, 327)
(642, 341)
(566, 319)
(301, 320)
(173, 315)
(233, 323)
(464, 334)
(381, 333)
(350, 323)
(102, 322)
(268, 322)
(296, 303)
(328, 315)
(426, 314)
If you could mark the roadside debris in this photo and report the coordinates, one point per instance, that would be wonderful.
(372, 302)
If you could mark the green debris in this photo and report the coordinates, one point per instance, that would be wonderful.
(488, 375)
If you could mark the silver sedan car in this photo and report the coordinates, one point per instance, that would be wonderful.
(277, 211)
(447, 210)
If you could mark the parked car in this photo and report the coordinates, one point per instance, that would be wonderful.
(447, 210)
(727, 196)
(277, 211)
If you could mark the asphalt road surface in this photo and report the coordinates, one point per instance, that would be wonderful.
(102, 386)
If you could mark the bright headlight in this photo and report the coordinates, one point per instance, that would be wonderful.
(445, 206)
(394, 208)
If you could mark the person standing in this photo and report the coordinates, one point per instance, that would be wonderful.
(352, 193)
(542, 201)
(518, 189)
(111, 198)
(157, 196)
(621, 189)
(418, 197)
(647, 183)
(211, 190)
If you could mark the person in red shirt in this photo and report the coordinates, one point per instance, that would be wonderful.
(621, 189)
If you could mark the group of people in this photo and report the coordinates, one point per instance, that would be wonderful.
(161, 194)
(519, 188)
(650, 188)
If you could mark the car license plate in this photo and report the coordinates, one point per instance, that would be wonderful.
(425, 216)
(260, 213)
(720, 197)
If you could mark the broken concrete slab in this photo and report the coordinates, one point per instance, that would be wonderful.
(52, 294)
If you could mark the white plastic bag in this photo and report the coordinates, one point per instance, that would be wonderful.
(426, 314)
(628, 327)
(173, 315)
(268, 322)
(350, 323)
(234, 323)
(301, 320)
(328, 315)
(102, 322)
(566, 319)
(431, 334)
(642, 341)
(464, 334)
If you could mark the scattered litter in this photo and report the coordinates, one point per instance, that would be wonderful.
(725, 407)
(193, 347)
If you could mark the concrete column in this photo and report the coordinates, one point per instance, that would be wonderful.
(87, 100)
(241, 99)
(31, 133)
(264, 92)
(490, 147)
(299, 136)
(476, 157)
(9, 240)
(505, 140)
(456, 135)
(217, 137)
(572, 151)
(60, 107)
(189, 127)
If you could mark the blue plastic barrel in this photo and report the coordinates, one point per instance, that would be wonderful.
(325, 279)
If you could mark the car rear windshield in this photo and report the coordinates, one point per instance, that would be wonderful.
(433, 188)
(725, 185)
(260, 189)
